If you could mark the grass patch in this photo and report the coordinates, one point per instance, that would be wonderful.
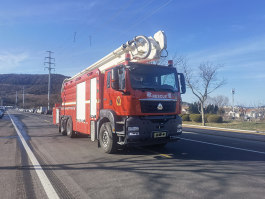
(242, 125)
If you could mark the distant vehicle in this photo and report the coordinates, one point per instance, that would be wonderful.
(42, 110)
(2, 108)
(32, 110)
(1, 113)
(49, 112)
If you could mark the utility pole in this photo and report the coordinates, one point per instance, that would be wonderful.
(233, 93)
(16, 98)
(50, 63)
(23, 96)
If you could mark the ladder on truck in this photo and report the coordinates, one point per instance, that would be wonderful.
(141, 49)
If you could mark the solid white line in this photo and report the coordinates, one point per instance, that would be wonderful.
(230, 147)
(50, 191)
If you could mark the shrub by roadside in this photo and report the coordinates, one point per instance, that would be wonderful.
(185, 117)
(210, 118)
(214, 119)
(196, 117)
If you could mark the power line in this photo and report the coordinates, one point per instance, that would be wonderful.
(97, 26)
(147, 16)
(50, 63)
(118, 12)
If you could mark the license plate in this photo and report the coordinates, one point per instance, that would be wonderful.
(160, 134)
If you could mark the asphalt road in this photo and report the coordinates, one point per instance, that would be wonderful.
(200, 165)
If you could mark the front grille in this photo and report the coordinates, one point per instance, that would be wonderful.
(148, 106)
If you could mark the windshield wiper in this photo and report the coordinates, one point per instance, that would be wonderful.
(167, 89)
(146, 88)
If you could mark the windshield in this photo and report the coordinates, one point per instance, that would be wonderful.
(156, 78)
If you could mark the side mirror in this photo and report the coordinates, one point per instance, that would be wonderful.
(182, 83)
(115, 78)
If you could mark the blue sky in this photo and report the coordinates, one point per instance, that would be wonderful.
(226, 32)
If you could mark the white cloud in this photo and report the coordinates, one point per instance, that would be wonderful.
(230, 52)
(11, 60)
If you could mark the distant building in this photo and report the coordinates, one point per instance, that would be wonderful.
(255, 113)
(184, 109)
(245, 113)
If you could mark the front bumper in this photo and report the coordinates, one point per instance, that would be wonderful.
(153, 130)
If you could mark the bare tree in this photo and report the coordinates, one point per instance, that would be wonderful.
(219, 100)
(177, 59)
(202, 84)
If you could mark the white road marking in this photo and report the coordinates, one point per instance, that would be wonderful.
(50, 191)
(225, 146)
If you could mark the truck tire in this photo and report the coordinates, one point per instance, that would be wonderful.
(69, 128)
(59, 126)
(63, 126)
(108, 140)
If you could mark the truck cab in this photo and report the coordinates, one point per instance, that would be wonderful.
(123, 99)
(145, 100)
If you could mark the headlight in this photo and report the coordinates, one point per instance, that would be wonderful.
(133, 128)
(179, 128)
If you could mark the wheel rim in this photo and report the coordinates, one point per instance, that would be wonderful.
(68, 128)
(62, 127)
(105, 139)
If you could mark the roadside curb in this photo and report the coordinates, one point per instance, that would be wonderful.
(224, 129)
(226, 132)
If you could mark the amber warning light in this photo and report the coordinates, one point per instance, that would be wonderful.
(170, 63)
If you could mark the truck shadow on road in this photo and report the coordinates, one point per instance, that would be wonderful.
(157, 177)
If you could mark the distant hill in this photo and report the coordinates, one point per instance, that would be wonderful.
(35, 89)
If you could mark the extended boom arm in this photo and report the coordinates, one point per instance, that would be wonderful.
(141, 49)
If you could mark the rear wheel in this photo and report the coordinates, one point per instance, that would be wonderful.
(108, 141)
(63, 126)
(59, 126)
(69, 128)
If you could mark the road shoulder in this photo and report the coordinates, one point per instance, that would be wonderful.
(234, 133)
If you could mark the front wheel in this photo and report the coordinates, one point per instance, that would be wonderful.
(108, 141)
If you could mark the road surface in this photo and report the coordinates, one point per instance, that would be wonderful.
(200, 165)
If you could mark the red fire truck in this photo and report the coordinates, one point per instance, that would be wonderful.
(124, 99)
